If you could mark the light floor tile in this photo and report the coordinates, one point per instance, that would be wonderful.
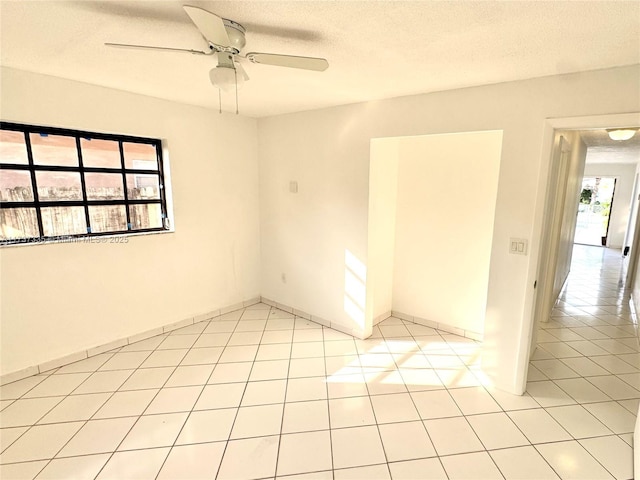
(174, 342)
(474, 400)
(28, 411)
(305, 416)
(191, 462)
(147, 378)
(350, 412)
(306, 367)
(554, 369)
(383, 382)
(249, 458)
(614, 365)
(88, 365)
(207, 426)
(430, 468)
(548, 394)
(21, 471)
(188, 375)
(202, 356)
(40, 442)
(420, 379)
(354, 447)
(231, 372)
(582, 391)
(152, 431)
(257, 421)
(98, 436)
(471, 466)
(84, 467)
(10, 435)
(311, 388)
(615, 388)
(371, 472)
(342, 386)
(538, 426)
(125, 361)
(76, 407)
(522, 463)
(15, 390)
(275, 351)
(134, 465)
(571, 461)
(178, 399)
(304, 452)
(56, 385)
(101, 382)
(452, 435)
(164, 358)
(264, 392)
(509, 401)
(497, 430)
(125, 404)
(613, 453)
(392, 408)
(269, 370)
(584, 366)
(578, 421)
(222, 395)
(435, 404)
(406, 441)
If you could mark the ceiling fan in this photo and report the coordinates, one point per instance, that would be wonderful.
(226, 39)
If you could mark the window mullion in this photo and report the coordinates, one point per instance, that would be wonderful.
(83, 186)
(34, 186)
(124, 184)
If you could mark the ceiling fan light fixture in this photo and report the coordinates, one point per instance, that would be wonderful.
(225, 78)
(620, 134)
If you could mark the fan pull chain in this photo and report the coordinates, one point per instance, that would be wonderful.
(235, 75)
(219, 101)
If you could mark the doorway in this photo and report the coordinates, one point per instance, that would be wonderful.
(594, 211)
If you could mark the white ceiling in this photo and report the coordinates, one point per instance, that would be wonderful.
(601, 149)
(376, 49)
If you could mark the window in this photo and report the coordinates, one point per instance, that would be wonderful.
(61, 184)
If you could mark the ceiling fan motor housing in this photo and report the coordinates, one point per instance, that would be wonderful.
(236, 32)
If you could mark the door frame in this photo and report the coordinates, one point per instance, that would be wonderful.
(539, 232)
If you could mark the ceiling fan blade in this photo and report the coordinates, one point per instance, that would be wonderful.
(210, 25)
(305, 63)
(151, 47)
(241, 71)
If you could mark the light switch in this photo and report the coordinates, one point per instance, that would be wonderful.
(518, 246)
(293, 187)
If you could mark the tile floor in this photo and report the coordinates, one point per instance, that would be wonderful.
(259, 393)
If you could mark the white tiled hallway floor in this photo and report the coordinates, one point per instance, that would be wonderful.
(259, 393)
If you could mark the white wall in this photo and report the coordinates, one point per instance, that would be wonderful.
(625, 176)
(447, 190)
(59, 299)
(327, 151)
(383, 196)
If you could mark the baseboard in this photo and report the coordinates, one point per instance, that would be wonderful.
(316, 319)
(438, 326)
(381, 317)
(121, 342)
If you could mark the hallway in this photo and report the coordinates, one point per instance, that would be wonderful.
(585, 372)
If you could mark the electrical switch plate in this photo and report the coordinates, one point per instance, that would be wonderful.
(293, 187)
(518, 246)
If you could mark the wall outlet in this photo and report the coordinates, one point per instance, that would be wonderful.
(518, 246)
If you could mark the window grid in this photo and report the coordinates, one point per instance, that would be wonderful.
(81, 169)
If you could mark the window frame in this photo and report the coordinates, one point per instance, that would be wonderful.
(85, 203)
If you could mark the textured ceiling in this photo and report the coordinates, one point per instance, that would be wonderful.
(601, 149)
(375, 49)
